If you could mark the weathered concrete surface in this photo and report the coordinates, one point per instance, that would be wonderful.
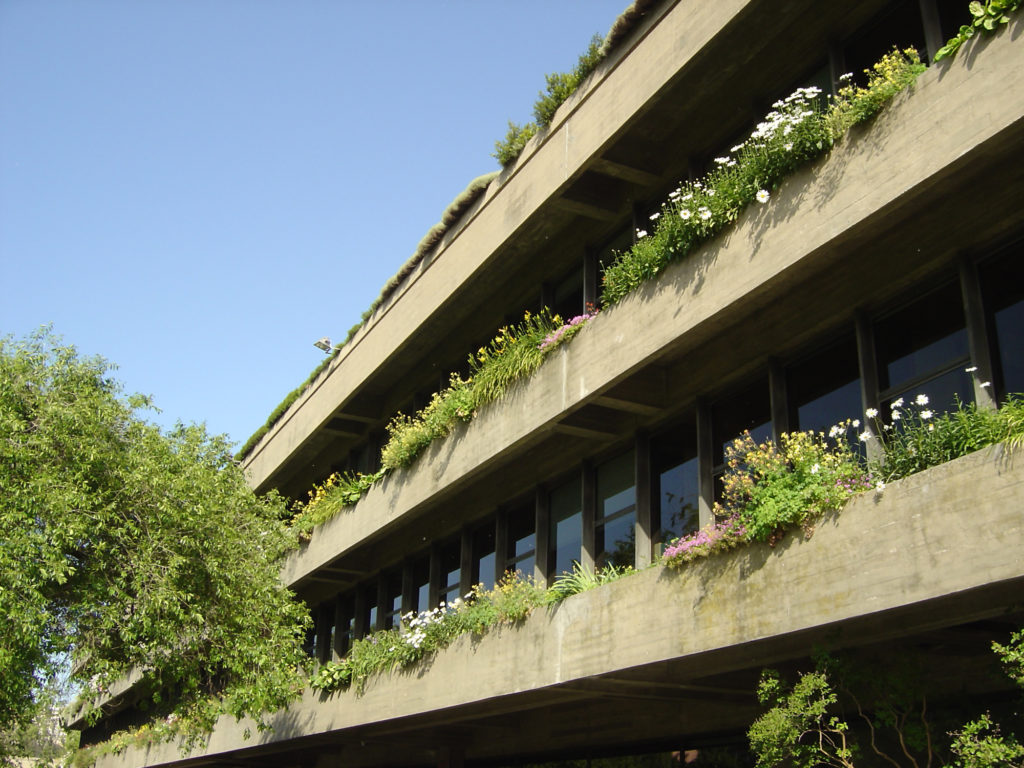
(858, 186)
(952, 533)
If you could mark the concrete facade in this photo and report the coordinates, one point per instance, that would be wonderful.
(891, 565)
(920, 208)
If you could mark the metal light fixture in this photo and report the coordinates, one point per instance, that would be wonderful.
(324, 344)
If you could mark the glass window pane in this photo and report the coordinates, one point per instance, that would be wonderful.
(942, 392)
(451, 561)
(923, 338)
(522, 539)
(483, 555)
(825, 389)
(749, 409)
(346, 625)
(421, 584)
(393, 599)
(615, 529)
(674, 492)
(1002, 282)
(616, 542)
(566, 527)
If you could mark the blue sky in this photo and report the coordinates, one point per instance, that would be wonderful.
(199, 189)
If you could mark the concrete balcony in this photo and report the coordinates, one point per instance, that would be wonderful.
(826, 245)
(919, 567)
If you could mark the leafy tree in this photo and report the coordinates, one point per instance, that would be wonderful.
(805, 725)
(124, 548)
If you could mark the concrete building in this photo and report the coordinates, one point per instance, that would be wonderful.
(886, 268)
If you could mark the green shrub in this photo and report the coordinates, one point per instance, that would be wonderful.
(582, 579)
(916, 438)
(559, 87)
(514, 353)
(793, 133)
(508, 149)
(562, 85)
(771, 488)
(985, 17)
(340, 490)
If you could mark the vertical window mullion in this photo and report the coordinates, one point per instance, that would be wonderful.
(542, 542)
(778, 400)
(645, 523)
(977, 334)
(705, 465)
(868, 362)
(466, 555)
(589, 496)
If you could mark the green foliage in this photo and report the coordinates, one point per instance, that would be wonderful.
(562, 85)
(340, 490)
(981, 744)
(1011, 656)
(125, 547)
(889, 693)
(985, 17)
(800, 728)
(513, 354)
(893, 73)
(915, 438)
(582, 579)
(409, 435)
(771, 488)
(510, 601)
(508, 149)
(559, 87)
(794, 132)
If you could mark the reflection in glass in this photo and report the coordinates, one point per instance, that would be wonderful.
(566, 527)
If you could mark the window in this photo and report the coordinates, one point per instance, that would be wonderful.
(522, 540)
(1002, 283)
(824, 389)
(370, 608)
(566, 527)
(615, 519)
(392, 606)
(567, 300)
(749, 409)
(922, 349)
(674, 491)
(451, 571)
(421, 583)
(899, 24)
(345, 625)
(483, 555)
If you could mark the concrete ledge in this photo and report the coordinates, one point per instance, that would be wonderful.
(952, 530)
(862, 182)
